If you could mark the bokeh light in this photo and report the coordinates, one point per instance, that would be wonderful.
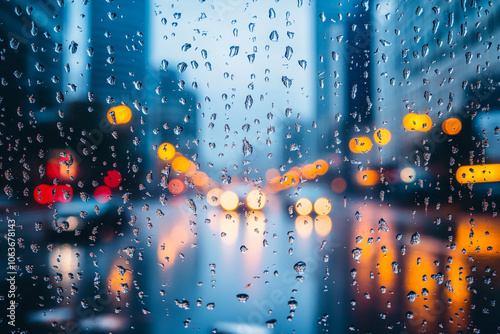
(322, 206)
(256, 199)
(229, 227)
(176, 186)
(415, 122)
(452, 126)
(382, 136)
(166, 151)
(321, 166)
(303, 206)
(113, 179)
(43, 194)
(200, 179)
(368, 177)
(119, 115)
(339, 185)
(102, 194)
(213, 196)
(408, 175)
(304, 226)
(478, 173)
(229, 200)
(360, 144)
(322, 225)
(180, 164)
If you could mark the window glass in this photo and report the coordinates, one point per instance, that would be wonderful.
(230, 166)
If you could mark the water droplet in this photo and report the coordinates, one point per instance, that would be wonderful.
(299, 267)
(14, 43)
(274, 36)
(248, 102)
(382, 225)
(272, 13)
(242, 297)
(164, 65)
(286, 81)
(233, 51)
(415, 239)
(412, 296)
(271, 323)
(366, 5)
(385, 43)
(247, 148)
(181, 67)
(356, 253)
(358, 216)
(288, 52)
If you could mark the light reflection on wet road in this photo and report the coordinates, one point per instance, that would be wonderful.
(185, 270)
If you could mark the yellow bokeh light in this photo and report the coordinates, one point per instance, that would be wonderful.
(229, 200)
(119, 115)
(382, 136)
(360, 144)
(166, 151)
(256, 199)
(322, 225)
(478, 173)
(303, 206)
(322, 206)
(452, 126)
(180, 164)
(414, 122)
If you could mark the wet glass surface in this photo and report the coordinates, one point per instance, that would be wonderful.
(236, 167)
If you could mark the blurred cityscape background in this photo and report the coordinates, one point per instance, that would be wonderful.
(266, 214)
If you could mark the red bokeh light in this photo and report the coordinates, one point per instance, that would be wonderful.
(113, 179)
(102, 194)
(176, 186)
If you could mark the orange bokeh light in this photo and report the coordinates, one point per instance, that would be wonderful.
(119, 114)
(452, 126)
(180, 164)
(360, 144)
(368, 177)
